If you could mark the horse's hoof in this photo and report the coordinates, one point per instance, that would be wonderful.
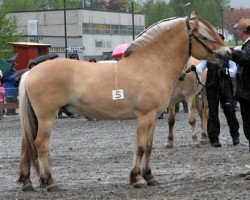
(169, 146)
(52, 188)
(140, 184)
(196, 145)
(27, 188)
(153, 182)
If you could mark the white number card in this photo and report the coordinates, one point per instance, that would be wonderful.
(117, 94)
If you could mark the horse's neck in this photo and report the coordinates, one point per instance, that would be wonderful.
(168, 53)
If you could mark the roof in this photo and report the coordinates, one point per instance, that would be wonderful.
(28, 44)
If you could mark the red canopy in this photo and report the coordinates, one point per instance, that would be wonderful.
(119, 50)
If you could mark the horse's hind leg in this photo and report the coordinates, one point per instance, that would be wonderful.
(171, 122)
(202, 108)
(41, 142)
(192, 121)
(146, 170)
(141, 175)
(24, 174)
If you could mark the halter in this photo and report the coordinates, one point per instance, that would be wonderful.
(191, 34)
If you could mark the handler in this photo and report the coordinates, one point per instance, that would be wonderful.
(242, 58)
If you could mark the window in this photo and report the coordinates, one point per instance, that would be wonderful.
(110, 29)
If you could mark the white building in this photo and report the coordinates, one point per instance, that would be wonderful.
(92, 33)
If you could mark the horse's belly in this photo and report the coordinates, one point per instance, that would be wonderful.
(107, 113)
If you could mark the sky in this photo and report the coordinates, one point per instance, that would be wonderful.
(240, 3)
(234, 3)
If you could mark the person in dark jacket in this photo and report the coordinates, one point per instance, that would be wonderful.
(242, 94)
(242, 58)
(219, 89)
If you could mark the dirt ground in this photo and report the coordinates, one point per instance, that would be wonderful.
(92, 160)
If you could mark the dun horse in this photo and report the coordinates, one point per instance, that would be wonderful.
(138, 86)
(189, 89)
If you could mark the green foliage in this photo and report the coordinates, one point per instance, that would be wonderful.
(30, 5)
(210, 10)
(8, 33)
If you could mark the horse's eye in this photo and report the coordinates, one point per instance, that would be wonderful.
(203, 38)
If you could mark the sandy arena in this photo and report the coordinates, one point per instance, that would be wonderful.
(93, 159)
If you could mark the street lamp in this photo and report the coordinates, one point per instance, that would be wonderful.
(182, 6)
(65, 27)
(133, 20)
(222, 20)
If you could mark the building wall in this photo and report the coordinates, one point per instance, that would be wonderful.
(107, 30)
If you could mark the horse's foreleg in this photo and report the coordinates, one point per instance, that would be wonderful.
(192, 121)
(171, 122)
(41, 142)
(141, 172)
(24, 174)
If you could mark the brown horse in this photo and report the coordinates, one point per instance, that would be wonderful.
(138, 86)
(191, 91)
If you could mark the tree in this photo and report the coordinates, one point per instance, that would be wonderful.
(210, 10)
(8, 32)
(233, 16)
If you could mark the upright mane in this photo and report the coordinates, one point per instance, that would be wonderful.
(150, 33)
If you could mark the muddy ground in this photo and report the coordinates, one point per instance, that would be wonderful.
(92, 160)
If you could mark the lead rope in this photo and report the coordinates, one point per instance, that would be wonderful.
(116, 86)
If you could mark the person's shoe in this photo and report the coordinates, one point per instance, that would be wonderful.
(236, 141)
(245, 174)
(215, 142)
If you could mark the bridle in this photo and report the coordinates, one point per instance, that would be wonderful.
(191, 34)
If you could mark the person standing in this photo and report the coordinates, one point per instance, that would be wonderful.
(2, 93)
(242, 58)
(219, 89)
(9, 84)
(242, 94)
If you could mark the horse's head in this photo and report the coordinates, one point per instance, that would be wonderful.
(205, 42)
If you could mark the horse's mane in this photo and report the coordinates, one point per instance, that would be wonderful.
(204, 28)
(149, 34)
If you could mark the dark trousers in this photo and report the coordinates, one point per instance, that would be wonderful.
(10, 99)
(216, 95)
(245, 113)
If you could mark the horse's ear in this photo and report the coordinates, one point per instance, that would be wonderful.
(193, 14)
(195, 22)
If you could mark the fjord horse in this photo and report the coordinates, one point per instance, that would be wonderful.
(138, 86)
(190, 90)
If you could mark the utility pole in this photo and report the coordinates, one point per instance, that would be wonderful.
(133, 20)
(65, 28)
(222, 20)
(182, 7)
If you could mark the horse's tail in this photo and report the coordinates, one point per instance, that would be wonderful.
(29, 124)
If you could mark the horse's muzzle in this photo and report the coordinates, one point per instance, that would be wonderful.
(223, 55)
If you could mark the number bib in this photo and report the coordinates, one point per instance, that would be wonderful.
(117, 94)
